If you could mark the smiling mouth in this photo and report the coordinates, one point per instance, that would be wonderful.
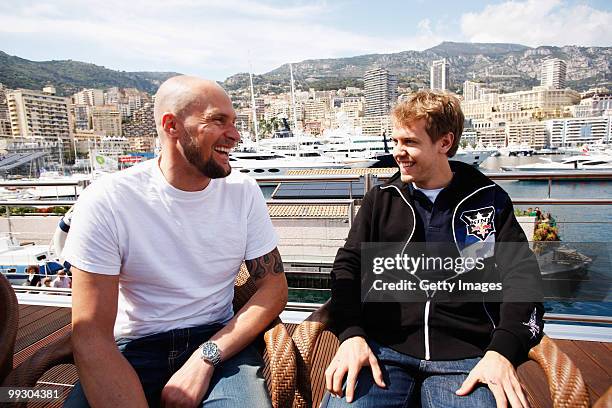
(406, 165)
(222, 149)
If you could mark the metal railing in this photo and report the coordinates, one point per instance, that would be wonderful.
(551, 317)
(44, 183)
(510, 175)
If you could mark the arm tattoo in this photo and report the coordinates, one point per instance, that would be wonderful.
(268, 263)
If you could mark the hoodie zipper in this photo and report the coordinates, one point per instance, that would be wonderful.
(428, 303)
(426, 318)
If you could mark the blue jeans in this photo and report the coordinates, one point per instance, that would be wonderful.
(236, 382)
(413, 382)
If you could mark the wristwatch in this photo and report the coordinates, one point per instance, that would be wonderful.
(210, 352)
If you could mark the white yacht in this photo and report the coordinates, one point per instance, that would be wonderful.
(340, 143)
(517, 150)
(16, 257)
(271, 162)
(582, 162)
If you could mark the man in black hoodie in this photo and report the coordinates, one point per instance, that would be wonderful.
(458, 353)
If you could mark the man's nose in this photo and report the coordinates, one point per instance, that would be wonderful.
(233, 133)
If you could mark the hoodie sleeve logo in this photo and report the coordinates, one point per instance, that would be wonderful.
(479, 222)
(532, 324)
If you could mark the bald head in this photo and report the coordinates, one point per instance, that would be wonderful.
(180, 94)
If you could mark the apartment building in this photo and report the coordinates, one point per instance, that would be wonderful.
(575, 132)
(380, 88)
(106, 120)
(533, 134)
(439, 75)
(553, 73)
(39, 115)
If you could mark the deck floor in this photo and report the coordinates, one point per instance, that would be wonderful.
(41, 325)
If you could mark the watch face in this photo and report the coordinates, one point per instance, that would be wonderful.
(208, 349)
(210, 352)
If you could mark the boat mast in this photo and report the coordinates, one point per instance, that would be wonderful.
(294, 112)
(255, 126)
(60, 145)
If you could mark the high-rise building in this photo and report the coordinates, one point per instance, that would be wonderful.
(91, 97)
(471, 91)
(553, 73)
(380, 89)
(5, 123)
(81, 116)
(39, 115)
(438, 76)
(112, 96)
(106, 120)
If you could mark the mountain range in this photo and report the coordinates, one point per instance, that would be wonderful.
(509, 67)
(70, 76)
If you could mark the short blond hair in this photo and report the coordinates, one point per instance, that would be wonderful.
(441, 111)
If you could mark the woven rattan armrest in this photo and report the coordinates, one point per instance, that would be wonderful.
(281, 359)
(565, 382)
(305, 338)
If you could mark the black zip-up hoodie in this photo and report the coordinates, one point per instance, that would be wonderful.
(439, 330)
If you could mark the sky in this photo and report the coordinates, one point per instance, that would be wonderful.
(218, 38)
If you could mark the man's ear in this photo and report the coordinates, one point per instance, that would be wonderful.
(446, 142)
(168, 122)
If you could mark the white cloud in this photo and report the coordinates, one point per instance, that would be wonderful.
(217, 38)
(425, 26)
(196, 36)
(539, 22)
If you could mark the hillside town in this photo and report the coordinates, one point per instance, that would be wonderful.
(47, 129)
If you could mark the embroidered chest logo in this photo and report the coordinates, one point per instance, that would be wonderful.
(532, 324)
(479, 222)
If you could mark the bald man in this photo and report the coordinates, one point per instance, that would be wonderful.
(155, 250)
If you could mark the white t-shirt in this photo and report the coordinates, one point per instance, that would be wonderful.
(177, 253)
(432, 194)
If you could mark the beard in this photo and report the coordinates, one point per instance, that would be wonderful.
(208, 168)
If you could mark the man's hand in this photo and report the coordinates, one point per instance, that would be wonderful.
(500, 376)
(187, 387)
(352, 355)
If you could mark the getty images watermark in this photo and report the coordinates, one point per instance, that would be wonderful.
(424, 268)
(485, 271)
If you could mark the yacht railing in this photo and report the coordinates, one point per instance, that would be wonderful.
(511, 175)
(36, 183)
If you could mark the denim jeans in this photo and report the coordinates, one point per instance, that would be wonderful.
(413, 382)
(236, 382)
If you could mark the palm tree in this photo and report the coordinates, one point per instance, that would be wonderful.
(265, 128)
